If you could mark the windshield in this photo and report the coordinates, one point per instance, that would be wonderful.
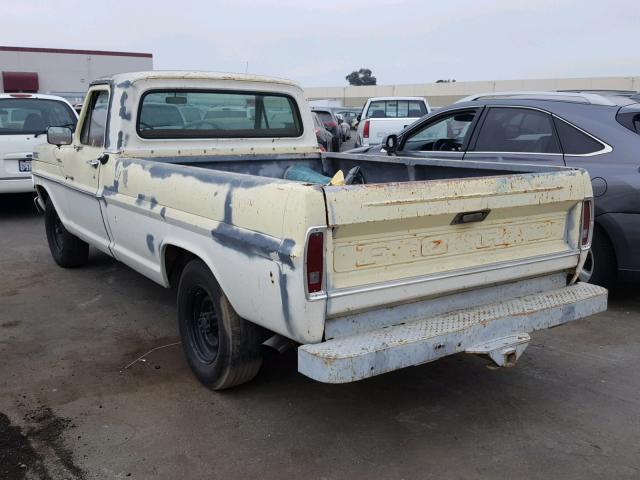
(20, 116)
(217, 114)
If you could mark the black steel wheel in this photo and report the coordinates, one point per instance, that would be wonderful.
(222, 349)
(67, 250)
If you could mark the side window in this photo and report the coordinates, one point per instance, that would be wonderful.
(446, 133)
(94, 125)
(575, 142)
(519, 130)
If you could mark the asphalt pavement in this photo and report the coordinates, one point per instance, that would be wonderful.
(93, 385)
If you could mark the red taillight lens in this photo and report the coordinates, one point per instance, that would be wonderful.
(315, 262)
(587, 223)
(20, 95)
(365, 129)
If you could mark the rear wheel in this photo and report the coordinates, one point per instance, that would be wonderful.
(222, 349)
(67, 250)
(601, 267)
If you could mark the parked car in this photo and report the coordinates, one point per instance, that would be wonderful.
(600, 133)
(383, 116)
(24, 119)
(325, 139)
(329, 120)
(371, 263)
(345, 129)
(350, 116)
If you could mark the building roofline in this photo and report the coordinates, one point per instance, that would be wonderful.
(74, 52)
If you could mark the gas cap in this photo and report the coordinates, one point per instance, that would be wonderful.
(599, 186)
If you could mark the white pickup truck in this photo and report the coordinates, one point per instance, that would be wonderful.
(382, 116)
(214, 184)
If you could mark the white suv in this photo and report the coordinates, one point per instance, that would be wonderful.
(24, 119)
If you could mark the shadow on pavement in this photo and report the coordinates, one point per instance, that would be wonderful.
(13, 205)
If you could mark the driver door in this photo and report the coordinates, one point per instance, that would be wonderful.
(443, 136)
(81, 169)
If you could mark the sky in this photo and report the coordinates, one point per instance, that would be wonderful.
(317, 43)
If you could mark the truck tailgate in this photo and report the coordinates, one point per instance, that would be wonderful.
(401, 241)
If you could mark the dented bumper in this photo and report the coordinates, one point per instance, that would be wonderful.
(499, 330)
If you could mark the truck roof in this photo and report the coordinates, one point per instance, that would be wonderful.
(133, 77)
(372, 99)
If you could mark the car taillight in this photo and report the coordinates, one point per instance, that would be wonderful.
(586, 230)
(20, 95)
(365, 129)
(315, 262)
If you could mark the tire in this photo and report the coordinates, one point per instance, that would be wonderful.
(67, 250)
(222, 349)
(601, 266)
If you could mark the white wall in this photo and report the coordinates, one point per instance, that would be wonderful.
(440, 94)
(64, 72)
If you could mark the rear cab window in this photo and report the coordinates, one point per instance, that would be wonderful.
(396, 109)
(22, 116)
(217, 114)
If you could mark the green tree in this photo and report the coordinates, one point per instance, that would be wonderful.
(361, 77)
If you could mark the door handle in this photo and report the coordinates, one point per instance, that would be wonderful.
(94, 162)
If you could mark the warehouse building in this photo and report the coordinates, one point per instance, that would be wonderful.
(62, 71)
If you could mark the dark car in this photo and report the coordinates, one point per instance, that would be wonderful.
(325, 139)
(330, 122)
(600, 133)
(350, 116)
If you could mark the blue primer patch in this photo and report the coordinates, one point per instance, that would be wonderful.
(141, 198)
(123, 109)
(150, 244)
(253, 244)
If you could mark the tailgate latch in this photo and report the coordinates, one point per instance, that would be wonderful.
(470, 217)
(504, 352)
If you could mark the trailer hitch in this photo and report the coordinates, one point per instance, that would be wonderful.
(504, 352)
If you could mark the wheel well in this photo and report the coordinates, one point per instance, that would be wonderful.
(602, 231)
(175, 259)
(42, 193)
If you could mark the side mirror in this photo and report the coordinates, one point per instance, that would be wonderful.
(59, 136)
(391, 143)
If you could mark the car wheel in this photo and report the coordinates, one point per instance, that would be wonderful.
(222, 349)
(67, 250)
(600, 267)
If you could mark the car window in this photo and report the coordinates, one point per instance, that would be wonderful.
(520, 130)
(575, 142)
(325, 117)
(446, 133)
(20, 116)
(396, 109)
(217, 114)
(94, 126)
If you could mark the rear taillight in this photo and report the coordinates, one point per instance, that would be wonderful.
(586, 230)
(315, 262)
(20, 95)
(365, 129)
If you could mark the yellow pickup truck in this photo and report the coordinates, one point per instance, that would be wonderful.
(214, 184)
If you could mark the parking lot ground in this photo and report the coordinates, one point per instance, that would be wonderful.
(74, 404)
